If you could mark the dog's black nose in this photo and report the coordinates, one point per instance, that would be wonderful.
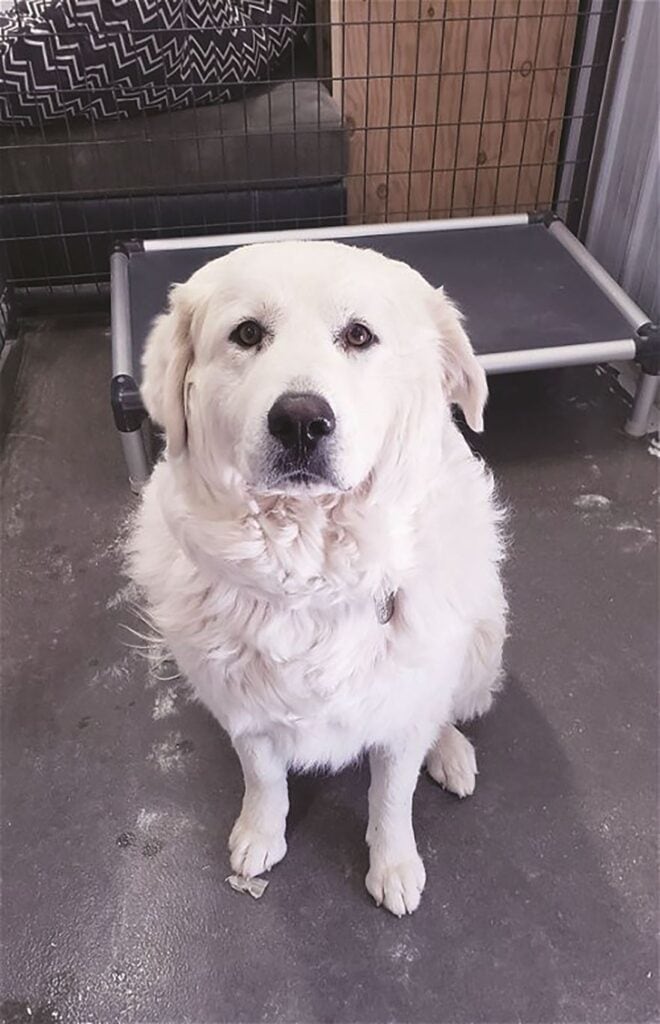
(301, 420)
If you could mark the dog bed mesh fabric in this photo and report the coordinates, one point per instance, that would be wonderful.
(518, 286)
(117, 58)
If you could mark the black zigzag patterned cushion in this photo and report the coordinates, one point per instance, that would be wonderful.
(116, 58)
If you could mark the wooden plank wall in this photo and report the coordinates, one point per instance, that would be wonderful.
(454, 107)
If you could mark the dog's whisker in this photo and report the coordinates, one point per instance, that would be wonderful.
(166, 679)
(141, 614)
(153, 638)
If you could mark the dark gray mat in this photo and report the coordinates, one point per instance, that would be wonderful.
(517, 285)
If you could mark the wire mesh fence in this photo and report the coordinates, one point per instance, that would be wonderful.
(123, 118)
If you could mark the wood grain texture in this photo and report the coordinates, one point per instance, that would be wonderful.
(454, 107)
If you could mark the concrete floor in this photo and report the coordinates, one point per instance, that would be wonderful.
(118, 794)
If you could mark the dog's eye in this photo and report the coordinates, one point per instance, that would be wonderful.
(248, 334)
(358, 336)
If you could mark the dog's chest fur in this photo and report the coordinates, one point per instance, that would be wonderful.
(325, 682)
(274, 619)
(284, 629)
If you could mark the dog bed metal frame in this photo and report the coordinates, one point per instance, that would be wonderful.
(533, 297)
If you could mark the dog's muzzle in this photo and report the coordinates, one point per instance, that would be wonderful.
(301, 425)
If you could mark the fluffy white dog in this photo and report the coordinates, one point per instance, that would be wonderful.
(319, 547)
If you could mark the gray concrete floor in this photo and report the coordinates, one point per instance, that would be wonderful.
(118, 794)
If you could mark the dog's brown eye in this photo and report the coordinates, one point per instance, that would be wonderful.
(248, 334)
(358, 336)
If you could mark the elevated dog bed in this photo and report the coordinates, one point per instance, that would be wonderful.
(117, 58)
(532, 294)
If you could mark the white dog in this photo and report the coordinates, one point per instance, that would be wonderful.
(319, 547)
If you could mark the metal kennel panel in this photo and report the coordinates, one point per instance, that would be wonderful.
(352, 112)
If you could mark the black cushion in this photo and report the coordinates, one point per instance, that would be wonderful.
(117, 58)
(291, 133)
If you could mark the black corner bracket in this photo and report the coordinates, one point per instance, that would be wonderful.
(546, 217)
(127, 407)
(129, 247)
(647, 348)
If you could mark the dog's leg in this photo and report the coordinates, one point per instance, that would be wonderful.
(257, 839)
(396, 874)
(451, 761)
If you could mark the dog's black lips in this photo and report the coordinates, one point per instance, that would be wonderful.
(302, 476)
(301, 468)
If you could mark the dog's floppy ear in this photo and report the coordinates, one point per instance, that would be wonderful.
(463, 377)
(167, 356)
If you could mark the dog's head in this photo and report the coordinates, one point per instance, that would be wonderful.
(299, 365)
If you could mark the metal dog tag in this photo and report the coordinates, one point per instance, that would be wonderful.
(385, 607)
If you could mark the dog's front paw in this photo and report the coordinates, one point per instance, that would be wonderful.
(254, 851)
(397, 885)
(452, 762)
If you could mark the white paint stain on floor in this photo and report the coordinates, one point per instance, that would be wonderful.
(403, 955)
(639, 537)
(165, 703)
(115, 548)
(115, 674)
(147, 819)
(406, 952)
(592, 502)
(634, 528)
(171, 753)
(165, 823)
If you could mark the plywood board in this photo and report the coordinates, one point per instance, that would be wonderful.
(454, 107)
